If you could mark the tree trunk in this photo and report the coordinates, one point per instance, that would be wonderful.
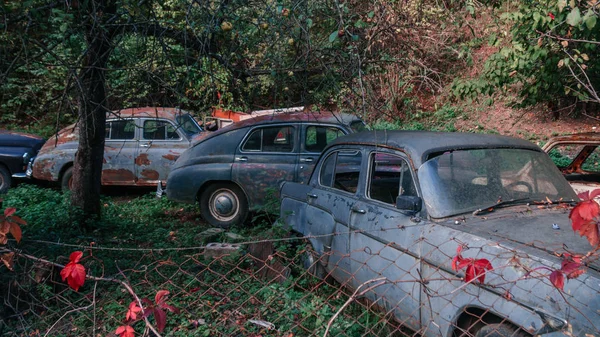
(87, 169)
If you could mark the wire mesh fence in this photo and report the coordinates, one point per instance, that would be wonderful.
(285, 287)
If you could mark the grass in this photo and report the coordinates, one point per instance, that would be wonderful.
(155, 244)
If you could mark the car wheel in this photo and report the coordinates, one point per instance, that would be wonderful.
(5, 180)
(66, 182)
(310, 262)
(499, 330)
(223, 205)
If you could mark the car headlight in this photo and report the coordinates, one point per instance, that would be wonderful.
(26, 157)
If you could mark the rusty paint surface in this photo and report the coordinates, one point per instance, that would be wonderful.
(142, 159)
(317, 116)
(117, 175)
(171, 156)
(150, 174)
(43, 169)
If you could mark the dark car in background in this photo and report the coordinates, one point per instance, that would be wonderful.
(392, 213)
(235, 169)
(141, 145)
(578, 158)
(17, 150)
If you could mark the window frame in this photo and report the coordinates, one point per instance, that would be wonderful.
(261, 128)
(370, 171)
(175, 127)
(326, 126)
(135, 131)
(336, 153)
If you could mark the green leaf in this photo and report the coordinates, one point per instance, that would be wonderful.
(371, 14)
(309, 23)
(590, 19)
(574, 18)
(561, 5)
(333, 36)
(354, 37)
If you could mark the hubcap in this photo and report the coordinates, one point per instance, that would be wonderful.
(224, 204)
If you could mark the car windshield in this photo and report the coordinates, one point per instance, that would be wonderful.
(463, 181)
(188, 124)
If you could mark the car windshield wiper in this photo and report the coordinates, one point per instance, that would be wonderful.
(529, 200)
(491, 208)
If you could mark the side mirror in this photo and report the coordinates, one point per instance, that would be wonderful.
(408, 203)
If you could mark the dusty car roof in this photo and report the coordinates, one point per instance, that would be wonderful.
(155, 112)
(306, 117)
(420, 144)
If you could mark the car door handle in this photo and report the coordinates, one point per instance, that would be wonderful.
(306, 160)
(312, 196)
(145, 145)
(358, 210)
(241, 158)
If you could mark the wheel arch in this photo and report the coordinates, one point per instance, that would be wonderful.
(471, 319)
(64, 169)
(208, 183)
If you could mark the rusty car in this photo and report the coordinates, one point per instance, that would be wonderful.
(235, 169)
(390, 215)
(17, 151)
(578, 158)
(141, 145)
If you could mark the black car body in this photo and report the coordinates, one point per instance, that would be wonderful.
(17, 151)
(236, 168)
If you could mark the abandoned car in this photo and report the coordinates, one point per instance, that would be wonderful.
(236, 168)
(403, 213)
(17, 150)
(141, 145)
(578, 158)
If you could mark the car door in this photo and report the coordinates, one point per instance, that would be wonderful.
(386, 241)
(266, 157)
(328, 211)
(120, 148)
(161, 143)
(315, 137)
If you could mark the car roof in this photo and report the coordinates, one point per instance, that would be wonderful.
(419, 145)
(154, 112)
(304, 117)
(576, 138)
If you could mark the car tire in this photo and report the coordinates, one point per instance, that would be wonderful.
(310, 262)
(500, 330)
(224, 205)
(5, 179)
(66, 182)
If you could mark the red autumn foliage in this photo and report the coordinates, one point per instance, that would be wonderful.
(125, 331)
(74, 273)
(158, 309)
(9, 223)
(475, 267)
(584, 217)
(132, 311)
(551, 15)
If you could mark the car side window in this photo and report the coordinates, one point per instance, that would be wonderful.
(563, 154)
(271, 139)
(159, 130)
(389, 177)
(341, 170)
(317, 137)
(120, 129)
(592, 163)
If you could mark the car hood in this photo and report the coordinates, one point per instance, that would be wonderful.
(18, 139)
(531, 229)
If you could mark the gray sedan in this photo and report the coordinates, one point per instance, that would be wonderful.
(456, 234)
(237, 168)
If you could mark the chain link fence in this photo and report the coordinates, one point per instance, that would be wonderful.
(283, 288)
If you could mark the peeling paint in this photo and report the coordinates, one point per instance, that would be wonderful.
(142, 159)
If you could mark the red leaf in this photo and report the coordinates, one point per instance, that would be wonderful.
(125, 331)
(132, 311)
(558, 279)
(572, 269)
(75, 256)
(161, 319)
(475, 268)
(15, 230)
(159, 296)
(74, 274)
(18, 220)
(583, 220)
(594, 194)
(4, 227)
(9, 211)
